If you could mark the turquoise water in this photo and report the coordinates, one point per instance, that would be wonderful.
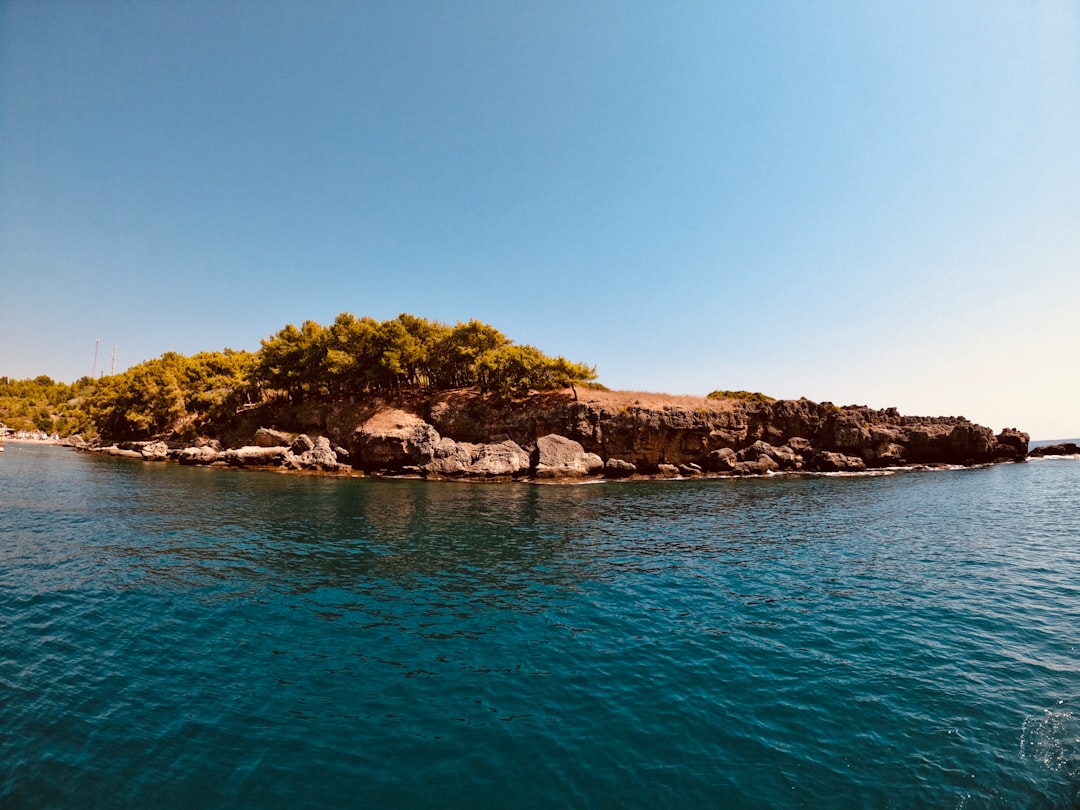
(185, 637)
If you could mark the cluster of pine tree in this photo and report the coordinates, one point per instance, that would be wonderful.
(357, 355)
(177, 394)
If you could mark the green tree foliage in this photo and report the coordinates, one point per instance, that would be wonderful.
(178, 395)
(745, 396)
(43, 404)
(171, 394)
(362, 355)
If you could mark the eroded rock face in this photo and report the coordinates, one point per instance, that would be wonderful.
(466, 435)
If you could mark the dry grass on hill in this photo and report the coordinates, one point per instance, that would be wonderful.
(648, 399)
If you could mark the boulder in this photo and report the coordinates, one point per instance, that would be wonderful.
(825, 461)
(783, 458)
(205, 454)
(500, 460)
(787, 458)
(155, 451)
(799, 445)
(301, 444)
(319, 455)
(266, 437)
(121, 452)
(617, 468)
(254, 456)
(756, 451)
(393, 439)
(887, 454)
(559, 457)
(667, 470)
(722, 460)
(450, 458)
(761, 466)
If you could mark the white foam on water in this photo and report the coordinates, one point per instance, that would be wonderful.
(1053, 739)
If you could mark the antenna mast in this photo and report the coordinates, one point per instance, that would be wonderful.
(112, 366)
(97, 345)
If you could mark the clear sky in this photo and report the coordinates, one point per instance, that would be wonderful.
(866, 203)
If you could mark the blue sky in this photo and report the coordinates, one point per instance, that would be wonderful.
(872, 203)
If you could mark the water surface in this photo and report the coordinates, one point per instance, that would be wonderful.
(182, 637)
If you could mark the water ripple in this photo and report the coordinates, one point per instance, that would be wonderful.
(184, 637)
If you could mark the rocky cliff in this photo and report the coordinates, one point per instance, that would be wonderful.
(554, 435)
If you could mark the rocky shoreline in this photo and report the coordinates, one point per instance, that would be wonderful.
(463, 435)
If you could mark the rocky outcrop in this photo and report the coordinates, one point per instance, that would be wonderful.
(559, 457)
(648, 435)
(552, 436)
(1060, 449)
(306, 453)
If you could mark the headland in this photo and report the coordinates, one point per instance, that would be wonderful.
(565, 435)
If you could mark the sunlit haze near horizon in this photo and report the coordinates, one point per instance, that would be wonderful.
(869, 204)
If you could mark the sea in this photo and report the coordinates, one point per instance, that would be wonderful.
(183, 637)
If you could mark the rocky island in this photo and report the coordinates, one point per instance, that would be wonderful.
(561, 435)
(411, 396)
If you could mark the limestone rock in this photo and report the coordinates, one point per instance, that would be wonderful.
(318, 455)
(121, 452)
(502, 459)
(205, 454)
(394, 439)
(559, 457)
(450, 458)
(799, 445)
(265, 437)
(784, 458)
(254, 456)
(886, 454)
(722, 460)
(155, 451)
(301, 444)
(825, 461)
(617, 468)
